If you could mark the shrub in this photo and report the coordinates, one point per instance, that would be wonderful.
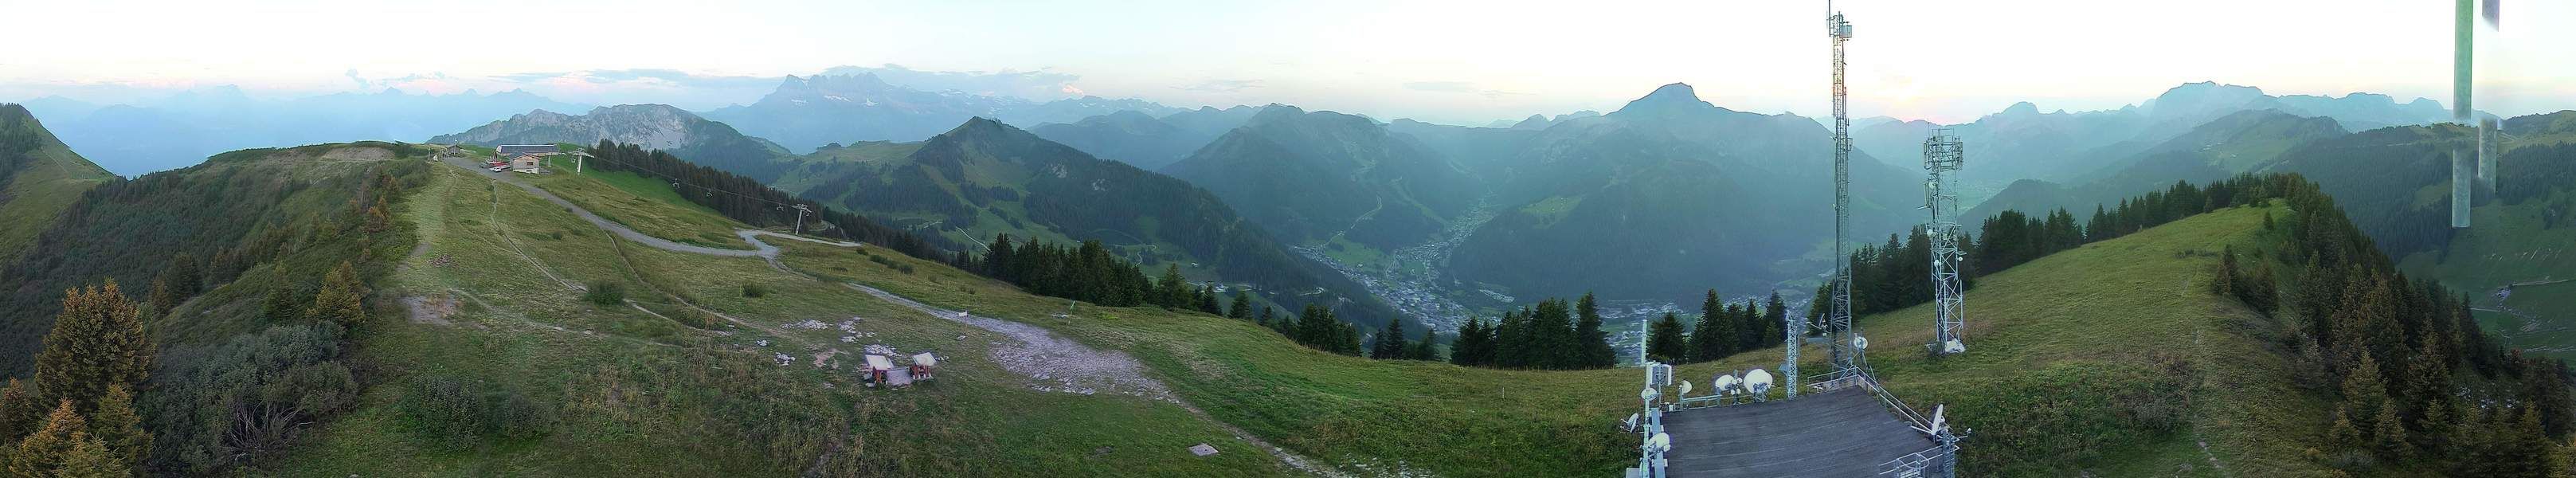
(217, 407)
(605, 293)
(450, 413)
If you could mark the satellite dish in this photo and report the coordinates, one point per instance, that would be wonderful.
(1758, 381)
(1660, 442)
(1631, 424)
(1727, 382)
(1647, 394)
(1939, 423)
(1860, 342)
(1686, 388)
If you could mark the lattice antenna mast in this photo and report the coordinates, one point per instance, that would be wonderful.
(1943, 155)
(1846, 342)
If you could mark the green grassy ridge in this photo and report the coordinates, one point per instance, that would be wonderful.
(129, 230)
(42, 188)
(637, 394)
(2063, 350)
(1362, 414)
(2025, 350)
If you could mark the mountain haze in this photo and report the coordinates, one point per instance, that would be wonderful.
(1320, 177)
(662, 127)
(984, 178)
(808, 112)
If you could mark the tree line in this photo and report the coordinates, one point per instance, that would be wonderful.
(1897, 274)
(1088, 272)
(1722, 329)
(1551, 335)
(2389, 351)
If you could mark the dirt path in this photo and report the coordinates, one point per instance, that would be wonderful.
(1040, 354)
(1049, 358)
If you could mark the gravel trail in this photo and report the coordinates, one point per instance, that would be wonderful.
(1055, 363)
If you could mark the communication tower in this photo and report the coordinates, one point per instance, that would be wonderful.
(1843, 340)
(1942, 154)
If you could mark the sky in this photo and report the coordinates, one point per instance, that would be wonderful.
(1463, 62)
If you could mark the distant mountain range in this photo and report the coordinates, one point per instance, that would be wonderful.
(1144, 141)
(185, 128)
(2236, 143)
(1666, 197)
(2021, 142)
(662, 127)
(1661, 199)
(810, 112)
(1322, 177)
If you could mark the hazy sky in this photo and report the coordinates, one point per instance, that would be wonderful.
(1458, 62)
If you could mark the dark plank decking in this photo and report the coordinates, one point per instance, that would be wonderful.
(1842, 433)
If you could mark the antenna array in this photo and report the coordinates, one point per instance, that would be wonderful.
(1942, 154)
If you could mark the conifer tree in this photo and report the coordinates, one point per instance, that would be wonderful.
(1552, 336)
(1664, 340)
(162, 297)
(1172, 291)
(91, 458)
(1748, 325)
(2433, 435)
(378, 216)
(1775, 320)
(21, 412)
(1265, 317)
(1421, 350)
(1207, 301)
(280, 305)
(116, 425)
(339, 302)
(2224, 282)
(1713, 337)
(2364, 397)
(1241, 309)
(2388, 435)
(1350, 339)
(2343, 434)
(997, 258)
(1592, 343)
(97, 342)
(1390, 341)
(41, 453)
(1472, 340)
(1516, 340)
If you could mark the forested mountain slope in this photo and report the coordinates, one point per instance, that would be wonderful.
(984, 178)
(1317, 177)
(1669, 196)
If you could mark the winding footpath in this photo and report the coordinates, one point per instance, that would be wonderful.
(1040, 354)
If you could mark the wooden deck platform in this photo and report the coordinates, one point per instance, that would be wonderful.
(1842, 433)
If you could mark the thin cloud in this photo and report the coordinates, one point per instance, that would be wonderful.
(1456, 87)
(1221, 86)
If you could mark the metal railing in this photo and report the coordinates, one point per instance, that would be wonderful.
(1914, 464)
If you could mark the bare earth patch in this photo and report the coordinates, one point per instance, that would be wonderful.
(430, 309)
